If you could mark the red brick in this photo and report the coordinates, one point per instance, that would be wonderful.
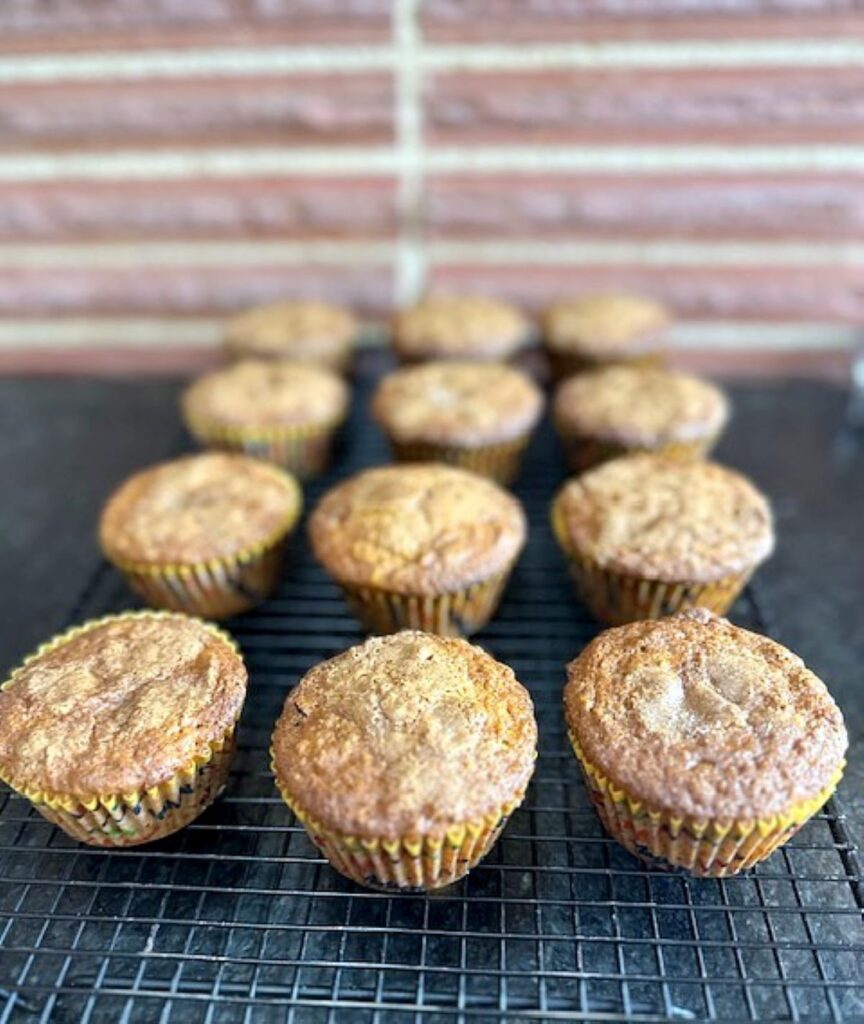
(822, 293)
(187, 290)
(578, 20)
(267, 208)
(652, 206)
(288, 110)
(618, 106)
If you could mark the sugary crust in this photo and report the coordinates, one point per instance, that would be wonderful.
(417, 529)
(638, 406)
(197, 508)
(661, 519)
(466, 404)
(304, 331)
(696, 716)
(259, 393)
(605, 326)
(405, 735)
(455, 327)
(119, 707)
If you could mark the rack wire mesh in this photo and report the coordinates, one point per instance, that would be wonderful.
(238, 918)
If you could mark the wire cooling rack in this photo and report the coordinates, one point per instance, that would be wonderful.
(238, 918)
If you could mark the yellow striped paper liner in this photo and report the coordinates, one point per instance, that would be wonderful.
(500, 462)
(137, 816)
(583, 452)
(705, 847)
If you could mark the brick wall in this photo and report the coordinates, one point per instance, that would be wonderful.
(162, 164)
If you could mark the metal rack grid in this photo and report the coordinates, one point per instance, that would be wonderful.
(238, 918)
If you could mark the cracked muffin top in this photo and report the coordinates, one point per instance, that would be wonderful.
(197, 508)
(605, 327)
(119, 705)
(665, 519)
(461, 403)
(406, 734)
(417, 529)
(305, 331)
(258, 393)
(696, 716)
(640, 406)
(459, 327)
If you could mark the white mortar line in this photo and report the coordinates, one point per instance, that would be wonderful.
(90, 256)
(410, 268)
(241, 62)
(178, 164)
(169, 332)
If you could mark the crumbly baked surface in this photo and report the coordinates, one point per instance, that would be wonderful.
(658, 518)
(457, 327)
(405, 735)
(605, 326)
(417, 529)
(696, 716)
(460, 403)
(634, 405)
(259, 393)
(198, 507)
(291, 330)
(119, 707)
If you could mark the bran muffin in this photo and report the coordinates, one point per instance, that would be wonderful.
(204, 533)
(121, 731)
(308, 332)
(595, 330)
(619, 410)
(404, 757)
(281, 411)
(475, 415)
(647, 536)
(703, 745)
(422, 546)
(459, 327)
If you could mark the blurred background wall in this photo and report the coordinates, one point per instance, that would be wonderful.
(165, 163)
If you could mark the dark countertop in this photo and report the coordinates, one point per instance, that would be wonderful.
(67, 442)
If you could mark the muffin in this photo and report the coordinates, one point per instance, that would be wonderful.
(703, 746)
(454, 327)
(307, 332)
(618, 410)
(203, 534)
(284, 412)
(647, 536)
(420, 546)
(475, 415)
(121, 731)
(404, 757)
(582, 334)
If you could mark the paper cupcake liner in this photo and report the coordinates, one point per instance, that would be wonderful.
(140, 816)
(583, 452)
(408, 863)
(303, 450)
(500, 462)
(459, 613)
(568, 364)
(704, 847)
(339, 360)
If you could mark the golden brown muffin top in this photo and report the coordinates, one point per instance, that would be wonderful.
(119, 705)
(696, 716)
(291, 330)
(417, 529)
(260, 393)
(633, 405)
(605, 326)
(459, 327)
(405, 735)
(197, 508)
(467, 404)
(658, 518)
